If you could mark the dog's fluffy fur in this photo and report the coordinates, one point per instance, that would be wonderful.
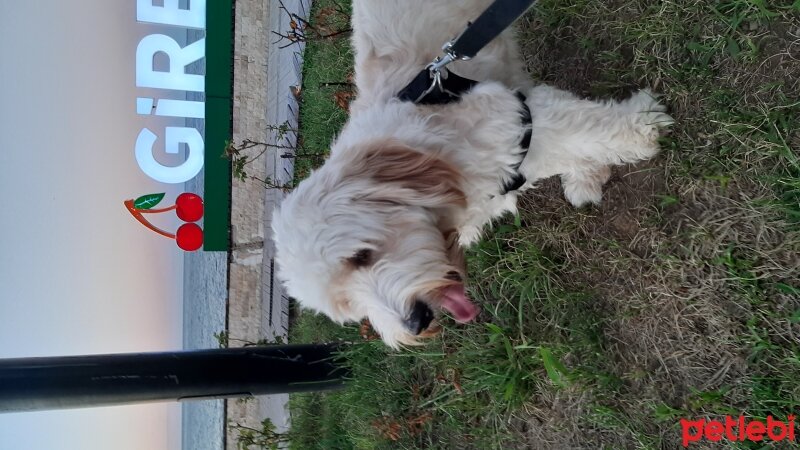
(378, 227)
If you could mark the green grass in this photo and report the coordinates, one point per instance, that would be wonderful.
(332, 63)
(678, 297)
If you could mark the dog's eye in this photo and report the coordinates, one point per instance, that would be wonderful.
(453, 275)
(362, 258)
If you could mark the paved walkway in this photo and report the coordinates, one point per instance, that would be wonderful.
(263, 75)
(284, 70)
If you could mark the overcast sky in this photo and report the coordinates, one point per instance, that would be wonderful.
(78, 275)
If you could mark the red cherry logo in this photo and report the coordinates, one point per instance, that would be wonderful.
(189, 207)
(189, 237)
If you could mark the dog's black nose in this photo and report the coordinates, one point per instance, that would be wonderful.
(420, 317)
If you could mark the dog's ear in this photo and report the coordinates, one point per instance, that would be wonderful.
(406, 176)
(341, 308)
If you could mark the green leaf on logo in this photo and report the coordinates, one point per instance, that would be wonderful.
(148, 201)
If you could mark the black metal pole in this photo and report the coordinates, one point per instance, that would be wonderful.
(29, 384)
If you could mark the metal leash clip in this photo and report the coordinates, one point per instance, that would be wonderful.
(448, 57)
(437, 75)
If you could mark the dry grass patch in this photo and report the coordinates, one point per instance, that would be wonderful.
(695, 254)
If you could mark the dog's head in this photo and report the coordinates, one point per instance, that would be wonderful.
(370, 234)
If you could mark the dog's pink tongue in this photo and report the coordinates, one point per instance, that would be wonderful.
(457, 303)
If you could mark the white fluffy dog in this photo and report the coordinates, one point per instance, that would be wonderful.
(375, 232)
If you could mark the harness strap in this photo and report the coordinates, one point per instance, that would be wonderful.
(450, 89)
(436, 85)
(446, 87)
(519, 179)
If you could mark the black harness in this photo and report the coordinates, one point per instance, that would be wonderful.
(527, 121)
(435, 85)
(449, 89)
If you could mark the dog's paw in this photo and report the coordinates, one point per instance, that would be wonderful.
(583, 194)
(650, 111)
(468, 235)
(586, 186)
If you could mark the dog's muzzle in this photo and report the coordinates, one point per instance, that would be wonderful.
(420, 318)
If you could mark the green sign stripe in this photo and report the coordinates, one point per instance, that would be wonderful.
(219, 48)
(218, 126)
(217, 197)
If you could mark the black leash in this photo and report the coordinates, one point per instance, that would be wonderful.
(436, 85)
(497, 17)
